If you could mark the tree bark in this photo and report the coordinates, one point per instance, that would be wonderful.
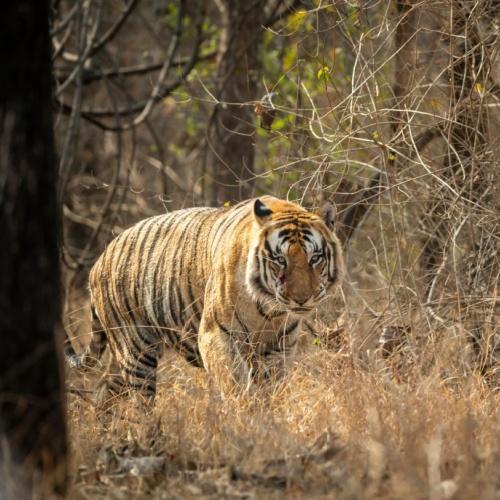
(32, 424)
(231, 132)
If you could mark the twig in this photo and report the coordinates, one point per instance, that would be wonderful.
(113, 31)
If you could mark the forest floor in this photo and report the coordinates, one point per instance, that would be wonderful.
(333, 428)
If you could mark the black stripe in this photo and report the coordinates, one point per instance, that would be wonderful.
(207, 218)
(138, 347)
(282, 336)
(193, 262)
(194, 359)
(268, 315)
(142, 355)
(144, 338)
(309, 327)
(262, 268)
(194, 302)
(285, 239)
(157, 297)
(324, 249)
(224, 224)
(180, 303)
(189, 220)
(309, 239)
(290, 328)
(93, 313)
(189, 224)
(149, 360)
(288, 215)
(146, 385)
(267, 246)
(284, 233)
(147, 228)
(171, 302)
(208, 248)
(114, 333)
(256, 281)
(165, 298)
(191, 353)
(114, 300)
(242, 323)
(333, 279)
(172, 332)
(136, 372)
(155, 237)
(120, 273)
(222, 327)
(329, 256)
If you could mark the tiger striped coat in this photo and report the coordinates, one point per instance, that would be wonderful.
(228, 288)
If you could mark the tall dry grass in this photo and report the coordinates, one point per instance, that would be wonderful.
(335, 427)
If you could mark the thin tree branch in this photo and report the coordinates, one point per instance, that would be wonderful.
(113, 31)
(157, 95)
(140, 69)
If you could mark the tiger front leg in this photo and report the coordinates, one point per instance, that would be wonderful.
(278, 357)
(222, 358)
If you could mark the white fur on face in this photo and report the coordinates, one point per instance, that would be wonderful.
(275, 241)
(310, 246)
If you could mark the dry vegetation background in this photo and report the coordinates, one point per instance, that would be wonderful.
(391, 109)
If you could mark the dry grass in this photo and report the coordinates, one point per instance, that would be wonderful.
(335, 428)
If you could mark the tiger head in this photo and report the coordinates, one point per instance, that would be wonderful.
(296, 258)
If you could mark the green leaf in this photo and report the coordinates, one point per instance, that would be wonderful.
(323, 73)
(296, 20)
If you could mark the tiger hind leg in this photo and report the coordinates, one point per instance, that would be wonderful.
(140, 373)
(109, 390)
(136, 353)
(126, 377)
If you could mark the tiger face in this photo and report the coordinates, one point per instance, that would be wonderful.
(296, 258)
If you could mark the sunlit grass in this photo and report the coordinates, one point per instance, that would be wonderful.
(334, 426)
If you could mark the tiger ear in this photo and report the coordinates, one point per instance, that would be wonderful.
(328, 212)
(262, 212)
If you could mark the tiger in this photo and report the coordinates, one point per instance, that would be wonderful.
(228, 288)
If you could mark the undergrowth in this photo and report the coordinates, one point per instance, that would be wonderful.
(335, 427)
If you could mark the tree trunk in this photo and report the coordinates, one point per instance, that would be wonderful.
(32, 424)
(231, 133)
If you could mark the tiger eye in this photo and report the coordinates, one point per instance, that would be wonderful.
(281, 261)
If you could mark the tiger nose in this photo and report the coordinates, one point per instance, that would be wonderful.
(301, 302)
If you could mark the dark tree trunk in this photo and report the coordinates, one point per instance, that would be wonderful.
(32, 424)
(231, 134)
